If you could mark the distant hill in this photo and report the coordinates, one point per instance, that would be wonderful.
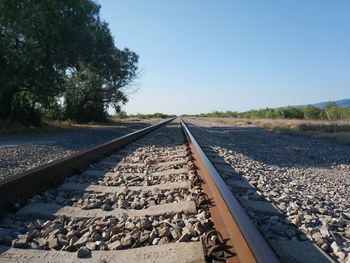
(322, 105)
(341, 103)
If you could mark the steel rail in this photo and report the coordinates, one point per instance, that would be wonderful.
(228, 215)
(36, 180)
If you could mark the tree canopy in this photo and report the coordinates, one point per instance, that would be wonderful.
(58, 59)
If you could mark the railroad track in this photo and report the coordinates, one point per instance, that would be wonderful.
(151, 196)
(290, 243)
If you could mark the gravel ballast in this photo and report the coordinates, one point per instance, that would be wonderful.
(126, 216)
(22, 152)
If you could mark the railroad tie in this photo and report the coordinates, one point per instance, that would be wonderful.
(97, 173)
(112, 189)
(169, 253)
(49, 211)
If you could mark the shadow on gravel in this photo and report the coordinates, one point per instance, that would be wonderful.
(21, 152)
(281, 214)
(73, 138)
(289, 243)
(274, 149)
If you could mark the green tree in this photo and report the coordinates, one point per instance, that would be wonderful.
(293, 113)
(24, 110)
(333, 111)
(313, 113)
(90, 91)
(43, 45)
(346, 113)
(82, 102)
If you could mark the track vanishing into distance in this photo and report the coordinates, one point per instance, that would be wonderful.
(151, 196)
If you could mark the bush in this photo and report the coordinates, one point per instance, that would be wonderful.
(156, 115)
(220, 114)
(122, 115)
(333, 111)
(293, 113)
(313, 113)
(55, 112)
(23, 110)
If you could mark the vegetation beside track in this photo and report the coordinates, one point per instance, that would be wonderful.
(157, 115)
(331, 122)
(58, 61)
(334, 130)
(331, 112)
(47, 126)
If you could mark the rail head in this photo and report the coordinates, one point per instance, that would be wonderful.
(33, 181)
(258, 246)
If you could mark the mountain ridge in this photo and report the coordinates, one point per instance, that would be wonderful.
(322, 105)
(341, 103)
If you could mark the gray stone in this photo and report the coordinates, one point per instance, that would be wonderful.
(318, 238)
(96, 237)
(282, 206)
(129, 226)
(290, 251)
(155, 241)
(83, 252)
(324, 246)
(106, 234)
(144, 237)
(308, 218)
(324, 231)
(153, 235)
(145, 224)
(20, 243)
(136, 205)
(260, 207)
(341, 255)
(296, 220)
(106, 207)
(335, 247)
(33, 233)
(42, 242)
(184, 238)
(115, 245)
(34, 245)
(53, 242)
(123, 204)
(347, 232)
(127, 240)
(163, 241)
(91, 246)
(82, 241)
(175, 234)
(164, 232)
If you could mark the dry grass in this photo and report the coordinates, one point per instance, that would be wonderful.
(338, 130)
(117, 119)
(9, 128)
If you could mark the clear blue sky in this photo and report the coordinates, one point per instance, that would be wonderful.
(200, 55)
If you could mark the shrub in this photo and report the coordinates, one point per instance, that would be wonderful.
(24, 111)
(313, 113)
